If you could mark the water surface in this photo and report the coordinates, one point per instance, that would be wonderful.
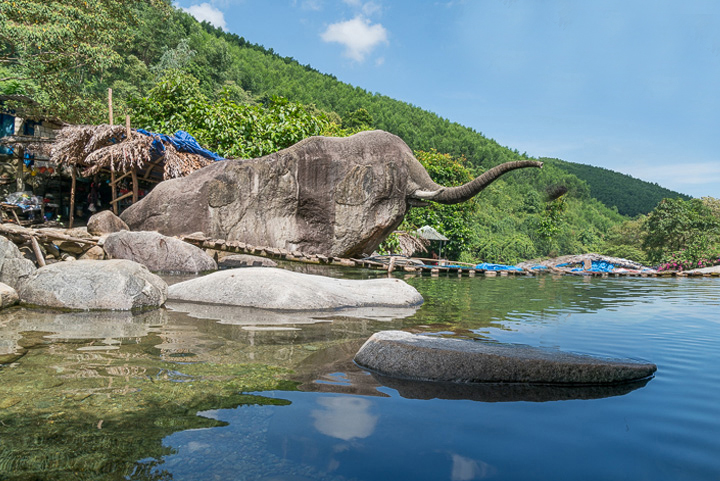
(193, 393)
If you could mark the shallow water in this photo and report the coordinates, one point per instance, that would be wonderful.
(193, 392)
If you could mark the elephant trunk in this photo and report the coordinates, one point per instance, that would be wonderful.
(429, 190)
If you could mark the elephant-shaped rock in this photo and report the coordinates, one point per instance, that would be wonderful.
(332, 196)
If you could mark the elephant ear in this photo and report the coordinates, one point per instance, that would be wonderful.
(429, 190)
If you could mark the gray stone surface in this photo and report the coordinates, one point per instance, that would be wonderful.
(245, 260)
(332, 196)
(158, 252)
(14, 268)
(408, 356)
(270, 288)
(105, 222)
(94, 285)
(8, 296)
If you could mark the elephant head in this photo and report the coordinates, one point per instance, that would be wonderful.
(332, 196)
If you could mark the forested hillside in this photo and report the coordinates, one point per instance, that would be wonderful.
(169, 72)
(629, 195)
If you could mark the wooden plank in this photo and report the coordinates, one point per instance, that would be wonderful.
(118, 179)
(124, 196)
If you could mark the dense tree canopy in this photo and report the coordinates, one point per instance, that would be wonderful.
(52, 49)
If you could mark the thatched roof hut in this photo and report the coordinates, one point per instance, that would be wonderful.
(94, 148)
(123, 152)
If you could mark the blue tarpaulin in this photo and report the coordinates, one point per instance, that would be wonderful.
(597, 266)
(496, 267)
(182, 141)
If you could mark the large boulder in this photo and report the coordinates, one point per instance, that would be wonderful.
(270, 288)
(158, 252)
(410, 356)
(333, 196)
(14, 268)
(94, 285)
(105, 222)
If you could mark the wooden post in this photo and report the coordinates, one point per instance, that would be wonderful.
(72, 198)
(113, 186)
(110, 108)
(135, 186)
(20, 174)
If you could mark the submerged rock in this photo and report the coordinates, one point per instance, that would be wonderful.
(157, 252)
(94, 285)
(13, 266)
(409, 356)
(270, 288)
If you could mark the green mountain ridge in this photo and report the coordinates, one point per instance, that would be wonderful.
(631, 196)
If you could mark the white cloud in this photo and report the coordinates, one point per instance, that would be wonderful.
(357, 35)
(208, 13)
(371, 8)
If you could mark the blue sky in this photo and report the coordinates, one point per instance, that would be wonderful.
(629, 85)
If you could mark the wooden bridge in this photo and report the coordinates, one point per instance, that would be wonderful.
(414, 265)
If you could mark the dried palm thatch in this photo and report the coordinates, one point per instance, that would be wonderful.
(180, 164)
(121, 157)
(104, 136)
(410, 244)
(69, 147)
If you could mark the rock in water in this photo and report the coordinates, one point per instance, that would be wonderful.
(245, 260)
(158, 253)
(89, 285)
(333, 196)
(270, 288)
(105, 222)
(409, 356)
(14, 268)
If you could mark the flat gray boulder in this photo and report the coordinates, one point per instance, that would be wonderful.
(245, 260)
(94, 285)
(270, 288)
(157, 252)
(105, 222)
(13, 266)
(403, 355)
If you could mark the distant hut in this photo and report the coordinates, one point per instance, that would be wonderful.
(430, 234)
(128, 156)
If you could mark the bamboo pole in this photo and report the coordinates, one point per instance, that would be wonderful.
(113, 186)
(133, 170)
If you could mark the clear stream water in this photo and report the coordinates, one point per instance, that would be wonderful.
(192, 393)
